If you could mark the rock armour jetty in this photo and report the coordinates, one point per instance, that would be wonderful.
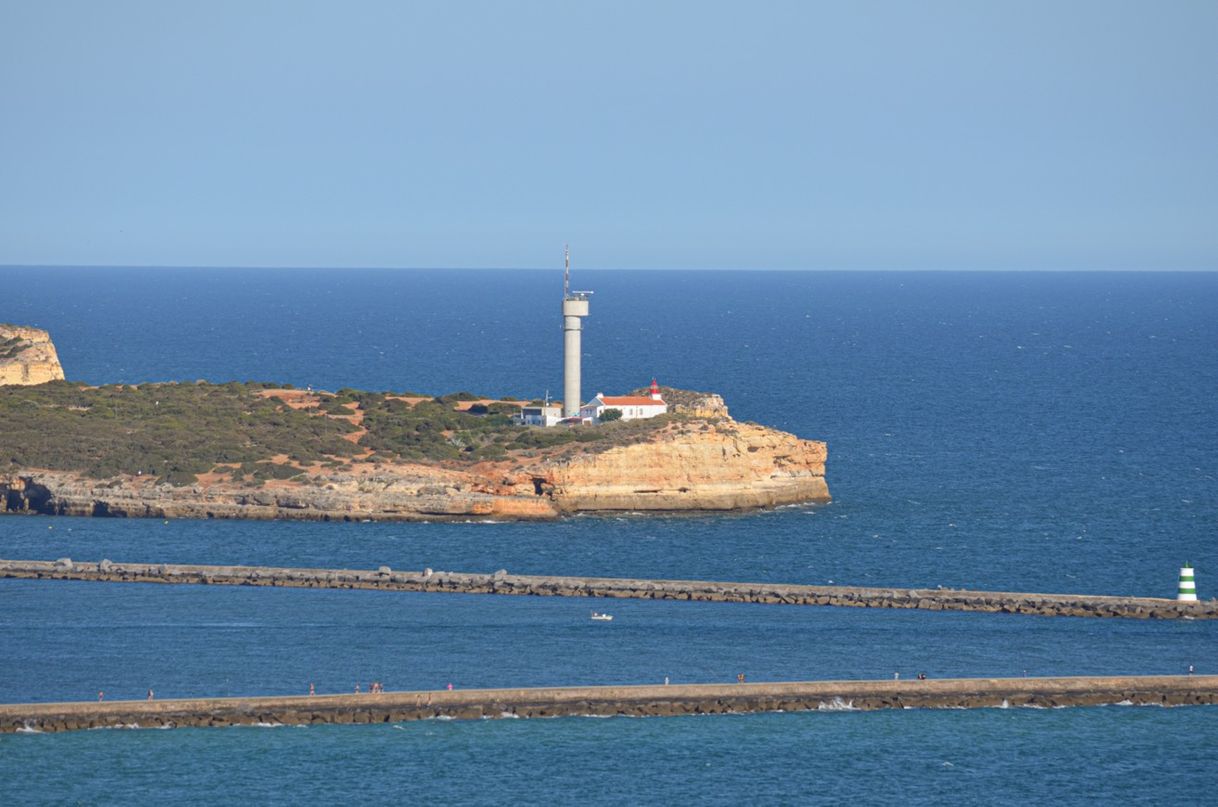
(501, 582)
(638, 701)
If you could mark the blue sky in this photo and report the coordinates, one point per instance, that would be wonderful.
(845, 135)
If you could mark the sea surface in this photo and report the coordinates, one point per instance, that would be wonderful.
(1029, 431)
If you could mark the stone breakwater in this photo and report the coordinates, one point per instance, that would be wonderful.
(501, 582)
(638, 701)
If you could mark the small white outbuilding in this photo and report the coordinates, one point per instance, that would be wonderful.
(540, 415)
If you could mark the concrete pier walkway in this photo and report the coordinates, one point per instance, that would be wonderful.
(386, 579)
(678, 699)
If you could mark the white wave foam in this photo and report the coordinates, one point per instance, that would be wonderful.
(836, 705)
(27, 729)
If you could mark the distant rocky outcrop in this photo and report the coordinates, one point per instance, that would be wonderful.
(27, 356)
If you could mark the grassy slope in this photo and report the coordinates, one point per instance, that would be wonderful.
(175, 431)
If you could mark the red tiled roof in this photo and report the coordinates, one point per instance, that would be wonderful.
(630, 400)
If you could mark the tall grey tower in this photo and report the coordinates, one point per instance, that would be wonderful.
(574, 307)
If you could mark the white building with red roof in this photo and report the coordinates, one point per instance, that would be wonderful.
(632, 407)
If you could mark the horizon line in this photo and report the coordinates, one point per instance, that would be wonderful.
(866, 270)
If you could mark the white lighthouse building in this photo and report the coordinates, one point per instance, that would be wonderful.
(574, 309)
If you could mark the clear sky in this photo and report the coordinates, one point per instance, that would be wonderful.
(983, 134)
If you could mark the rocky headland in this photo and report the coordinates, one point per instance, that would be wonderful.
(684, 466)
(27, 356)
(265, 451)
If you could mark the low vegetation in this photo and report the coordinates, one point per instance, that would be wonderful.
(171, 431)
(10, 347)
(174, 432)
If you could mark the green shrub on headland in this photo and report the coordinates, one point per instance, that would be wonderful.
(10, 347)
(175, 431)
(171, 431)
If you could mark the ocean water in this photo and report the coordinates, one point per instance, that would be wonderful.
(1019, 431)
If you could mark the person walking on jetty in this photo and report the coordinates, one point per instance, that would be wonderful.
(149, 694)
(357, 689)
(312, 691)
(101, 696)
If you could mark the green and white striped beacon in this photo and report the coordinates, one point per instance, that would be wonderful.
(1188, 587)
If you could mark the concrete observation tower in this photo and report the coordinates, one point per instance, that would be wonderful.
(574, 308)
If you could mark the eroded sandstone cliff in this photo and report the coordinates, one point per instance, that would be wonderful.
(27, 356)
(391, 493)
(698, 465)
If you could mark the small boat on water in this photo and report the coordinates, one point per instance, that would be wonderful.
(598, 617)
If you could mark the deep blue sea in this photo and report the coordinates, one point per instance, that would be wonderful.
(1021, 431)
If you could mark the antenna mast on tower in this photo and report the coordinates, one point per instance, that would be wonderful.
(574, 308)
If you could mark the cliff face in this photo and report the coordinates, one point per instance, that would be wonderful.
(693, 465)
(721, 466)
(27, 356)
(407, 493)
